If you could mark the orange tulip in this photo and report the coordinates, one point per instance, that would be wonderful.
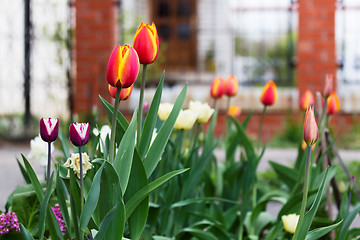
(328, 87)
(217, 87)
(333, 104)
(146, 43)
(306, 100)
(231, 86)
(234, 111)
(123, 67)
(269, 94)
(311, 131)
(124, 93)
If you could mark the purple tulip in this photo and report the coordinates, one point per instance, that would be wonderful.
(79, 133)
(49, 129)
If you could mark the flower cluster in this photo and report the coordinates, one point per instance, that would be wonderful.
(59, 217)
(8, 223)
(74, 163)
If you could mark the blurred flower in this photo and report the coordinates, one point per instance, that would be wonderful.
(49, 129)
(203, 110)
(125, 93)
(39, 150)
(146, 43)
(231, 86)
(269, 94)
(186, 119)
(311, 131)
(234, 111)
(9, 223)
(165, 110)
(104, 132)
(306, 99)
(123, 67)
(290, 222)
(74, 162)
(57, 212)
(79, 133)
(146, 107)
(333, 105)
(217, 87)
(342, 187)
(328, 87)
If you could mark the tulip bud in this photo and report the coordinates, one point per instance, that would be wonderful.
(146, 43)
(217, 87)
(333, 105)
(79, 133)
(124, 93)
(123, 67)
(269, 94)
(306, 99)
(231, 86)
(49, 129)
(234, 111)
(311, 131)
(328, 87)
(290, 222)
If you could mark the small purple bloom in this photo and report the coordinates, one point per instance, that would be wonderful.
(59, 217)
(79, 133)
(9, 223)
(49, 129)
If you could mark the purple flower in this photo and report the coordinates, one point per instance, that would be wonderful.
(59, 217)
(79, 133)
(49, 129)
(8, 223)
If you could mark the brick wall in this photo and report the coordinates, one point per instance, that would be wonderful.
(316, 43)
(94, 41)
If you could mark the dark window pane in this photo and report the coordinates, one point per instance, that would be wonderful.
(183, 31)
(183, 9)
(164, 31)
(163, 9)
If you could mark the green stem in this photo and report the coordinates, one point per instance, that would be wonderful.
(306, 190)
(214, 104)
(261, 125)
(323, 122)
(113, 125)
(81, 189)
(48, 165)
(227, 128)
(141, 103)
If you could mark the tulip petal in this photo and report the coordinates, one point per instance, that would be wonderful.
(79, 133)
(128, 68)
(112, 72)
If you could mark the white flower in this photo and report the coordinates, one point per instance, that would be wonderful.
(186, 119)
(290, 222)
(165, 110)
(39, 150)
(203, 110)
(104, 132)
(74, 163)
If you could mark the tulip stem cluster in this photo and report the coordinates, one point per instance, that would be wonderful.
(306, 190)
(113, 125)
(141, 103)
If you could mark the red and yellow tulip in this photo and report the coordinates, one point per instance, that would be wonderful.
(311, 131)
(217, 87)
(146, 43)
(269, 94)
(125, 93)
(123, 67)
(306, 99)
(231, 86)
(333, 105)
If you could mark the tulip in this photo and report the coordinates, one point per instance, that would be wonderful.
(125, 93)
(165, 110)
(306, 99)
(328, 87)
(269, 94)
(186, 119)
(311, 131)
(79, 133)
(231, 86)
(203, 110)
(49, 129)
(234, 111)
(290, 222)
(146, 43)
(217, 88)
(123, 67)
(333, 104)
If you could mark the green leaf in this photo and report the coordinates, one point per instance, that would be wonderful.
(124, 156)
(75, 203)
(105, 223)
(202, 200)
(150, 120)
(25, 233)
(61, 193)
(23, 172)
(287, 175)
(200, 234)
(44, 207)
(347, 222)
(91, 200)
(34, 180)
(319, 232)
(154, 155)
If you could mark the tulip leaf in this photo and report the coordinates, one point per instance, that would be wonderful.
(347, 222)
(289, 176)
(61, 193)
(23, 172)
(319, 232)
(91, 200)
(124, 156)
(75, 203)
(25, 233)
(106, 222)
(200, 234)
(150, 120)
(34, 180)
